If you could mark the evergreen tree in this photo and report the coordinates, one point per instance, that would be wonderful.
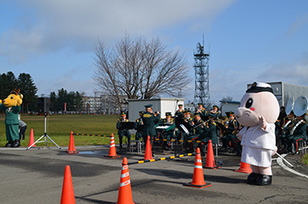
(28, 90)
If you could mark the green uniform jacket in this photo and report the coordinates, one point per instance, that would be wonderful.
(212, 132)
(149, 120)
(300, 131)
(189, 126)
(232, 125)
(179, 114)
(199, 130)
(11, 115)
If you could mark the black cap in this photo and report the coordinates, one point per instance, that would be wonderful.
(148, 106)
(168, 113)
(259, 87)
(197, 114)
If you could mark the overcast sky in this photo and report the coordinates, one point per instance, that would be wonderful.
(53, 41)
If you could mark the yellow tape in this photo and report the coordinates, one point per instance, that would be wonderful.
(162, 158)
(151, 160)
(140, 162)
(172, 157)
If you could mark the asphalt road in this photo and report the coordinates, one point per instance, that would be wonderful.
(36, 176)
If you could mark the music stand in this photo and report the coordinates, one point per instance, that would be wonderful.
(45, 136)
(127, 125)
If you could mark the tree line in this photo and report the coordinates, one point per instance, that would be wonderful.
(24, 82)
(73, 100)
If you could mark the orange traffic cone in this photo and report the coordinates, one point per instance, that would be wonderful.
(71, 147)
(210, 161)
(148, 150)
(244, 168)
(125, 195)
(198, 177)
(31, 139)
(67, 196)
(112, 149)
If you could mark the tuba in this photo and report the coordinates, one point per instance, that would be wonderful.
(301, 106)
(290, 105)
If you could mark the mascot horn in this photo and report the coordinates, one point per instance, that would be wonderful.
(258, 111)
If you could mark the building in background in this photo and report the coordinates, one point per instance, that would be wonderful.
(103, 104)
(227, 106)
(284, 91)
(162, 105)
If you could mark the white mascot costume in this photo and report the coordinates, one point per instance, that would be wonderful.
(258, 111)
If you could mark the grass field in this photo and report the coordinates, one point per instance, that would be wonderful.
(59, 128)
(305, 159)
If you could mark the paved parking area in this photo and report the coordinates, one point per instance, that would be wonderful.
(36, 176)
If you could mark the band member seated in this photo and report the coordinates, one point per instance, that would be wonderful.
(122, 131)
(188, 123)
(198, 126)
(298, 133)
(203, 113)
(289, 123)
(138, 126)
(168, 133)
(230, 139)
(178, 119)
(215, 112)
(149, 119)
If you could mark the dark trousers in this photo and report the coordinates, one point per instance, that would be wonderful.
(22, 132)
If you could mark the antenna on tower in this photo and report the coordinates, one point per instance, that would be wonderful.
(203, 39)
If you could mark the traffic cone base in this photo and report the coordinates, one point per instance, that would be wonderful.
(112, 149)
(210, 161)
(71, 147)
(198, 176)
(198, 186)
(214, 167)
(244, 168)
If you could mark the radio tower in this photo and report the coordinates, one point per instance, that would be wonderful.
(202, 93)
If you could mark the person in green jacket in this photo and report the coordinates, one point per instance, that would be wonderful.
(149, 119)
(298, 133)
(168, 133)
(123, 131)
(198, 126)
(137, 125)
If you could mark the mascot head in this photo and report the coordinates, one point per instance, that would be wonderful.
(259, 100)
(14, 99)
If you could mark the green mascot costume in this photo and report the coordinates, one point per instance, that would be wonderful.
(11, 107)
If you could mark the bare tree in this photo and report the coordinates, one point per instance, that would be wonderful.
(139, 69)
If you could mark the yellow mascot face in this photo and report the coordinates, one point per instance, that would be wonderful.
(14, 99)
